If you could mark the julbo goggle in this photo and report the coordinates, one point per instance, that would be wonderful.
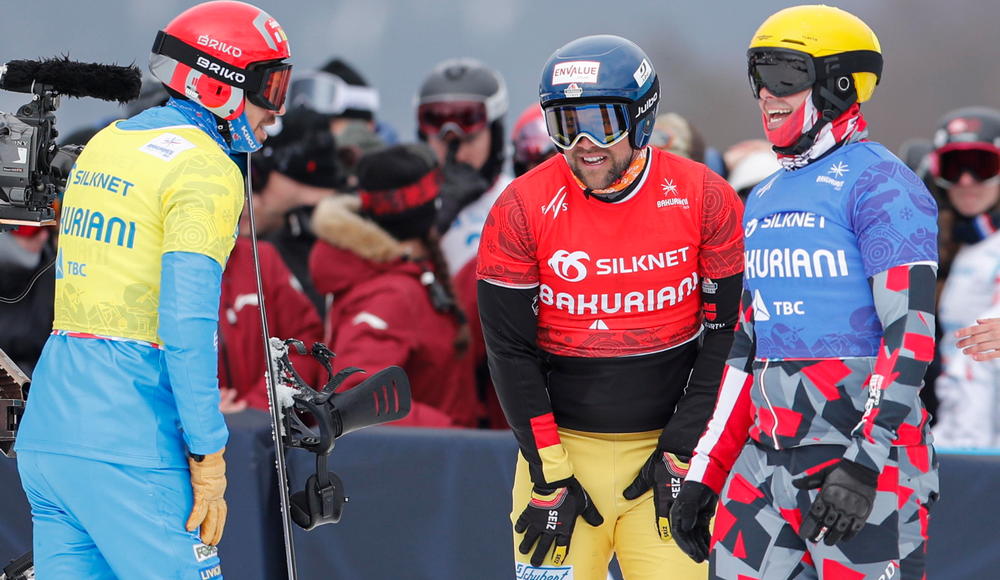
(604, 123)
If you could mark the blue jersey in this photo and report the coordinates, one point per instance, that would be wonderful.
(813, 238)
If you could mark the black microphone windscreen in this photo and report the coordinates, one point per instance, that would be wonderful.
(74, 79)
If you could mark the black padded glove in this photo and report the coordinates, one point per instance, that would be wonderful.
(550, 517)
(690, 518)
(461, 184)
(665, 473)
(845, 500)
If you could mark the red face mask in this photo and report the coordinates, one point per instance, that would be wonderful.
(793, 127)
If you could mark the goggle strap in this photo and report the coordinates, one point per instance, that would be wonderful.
(184, 53)
(853, 61)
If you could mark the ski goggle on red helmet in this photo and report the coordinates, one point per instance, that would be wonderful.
(222, 54)
(265, 84)
(605, 124)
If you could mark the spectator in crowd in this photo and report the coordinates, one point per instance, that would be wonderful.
(749, 162)
(290, 314)
(296, 170)
(392, 301)
(26, 256)
(607, 369)
(120, 450)
(818, 452)
(343, 97)
(981, 341)
(675, 134)
(461, 106)
(965, 164)
(531, 140)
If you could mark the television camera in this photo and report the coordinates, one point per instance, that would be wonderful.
(33, 168)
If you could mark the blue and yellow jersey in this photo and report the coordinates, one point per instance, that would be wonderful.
(132, 196)
(149, 217)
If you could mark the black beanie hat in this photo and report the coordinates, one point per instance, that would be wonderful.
(398, 187)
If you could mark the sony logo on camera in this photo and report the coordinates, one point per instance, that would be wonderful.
(218, 69)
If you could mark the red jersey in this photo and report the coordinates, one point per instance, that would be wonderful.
(614, 279)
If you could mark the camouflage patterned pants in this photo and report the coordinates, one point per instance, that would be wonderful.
(759, 514)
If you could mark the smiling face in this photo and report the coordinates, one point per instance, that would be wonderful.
(599, 167)
(782, 116)
(259, 118)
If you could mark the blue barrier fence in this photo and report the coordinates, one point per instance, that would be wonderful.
(431, 504)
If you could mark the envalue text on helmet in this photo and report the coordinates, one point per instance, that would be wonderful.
(577, 71)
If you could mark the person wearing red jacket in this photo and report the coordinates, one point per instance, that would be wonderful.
(609, 281)
(392, 303)
(290, 314)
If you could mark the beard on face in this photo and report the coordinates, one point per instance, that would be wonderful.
(616, 168)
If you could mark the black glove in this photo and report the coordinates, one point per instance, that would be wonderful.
(550, 516)
(690, 517)
(665, 473)
(461, 184)
(845, 500)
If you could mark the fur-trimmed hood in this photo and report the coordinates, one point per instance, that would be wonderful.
(351, 248)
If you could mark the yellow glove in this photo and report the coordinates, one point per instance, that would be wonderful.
(208, 480)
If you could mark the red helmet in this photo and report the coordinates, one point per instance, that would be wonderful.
(218, 52)
(532, 144)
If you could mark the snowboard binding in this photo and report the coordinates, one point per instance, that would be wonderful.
(313, 419)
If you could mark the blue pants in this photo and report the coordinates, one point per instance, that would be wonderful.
(99, 520)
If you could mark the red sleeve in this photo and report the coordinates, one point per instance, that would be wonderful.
(721, 252)
(290, 312)
(373, 331)
(729, 428)
(507, 246)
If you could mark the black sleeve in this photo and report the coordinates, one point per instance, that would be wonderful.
(509, 320)
(720, 309)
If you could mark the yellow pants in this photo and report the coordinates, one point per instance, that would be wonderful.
(605, 464)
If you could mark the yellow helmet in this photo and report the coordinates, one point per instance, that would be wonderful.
(839, 43)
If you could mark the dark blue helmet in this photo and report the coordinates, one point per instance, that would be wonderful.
(602, 69)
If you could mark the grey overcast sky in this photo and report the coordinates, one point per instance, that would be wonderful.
(939, 55)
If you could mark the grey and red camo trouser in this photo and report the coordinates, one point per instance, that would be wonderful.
(755, 536)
